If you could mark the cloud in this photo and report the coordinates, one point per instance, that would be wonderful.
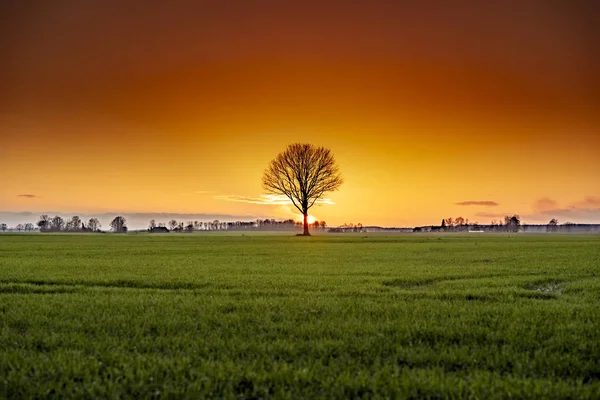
(29, 196)
(588, 202)
(265, 199)
(544, 204)
(491, 215)
(584, 211)
(477, 203)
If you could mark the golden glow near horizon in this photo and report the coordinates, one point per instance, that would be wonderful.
(428, 116)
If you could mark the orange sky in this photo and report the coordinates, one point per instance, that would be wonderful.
(178, 107)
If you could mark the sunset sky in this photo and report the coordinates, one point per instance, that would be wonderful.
(432, 108)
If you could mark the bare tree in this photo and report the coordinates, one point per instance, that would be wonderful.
(303, 173)
(44, 223)
(57, 224)
(512, 223)
(74, 223)
(119, 224)
(94, 224)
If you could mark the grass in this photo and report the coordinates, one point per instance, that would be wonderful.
(411, 316)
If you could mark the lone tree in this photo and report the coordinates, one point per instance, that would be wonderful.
(303, 173)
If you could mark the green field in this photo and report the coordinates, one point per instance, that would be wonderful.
(407, 316)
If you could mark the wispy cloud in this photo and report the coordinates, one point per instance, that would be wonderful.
(29, 196)
(544, 204)
(588, 202)
(477, 203)
(265, 199)
(584, 211)
(491, 215)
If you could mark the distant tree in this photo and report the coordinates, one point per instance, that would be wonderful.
(189, 227)
(552, 225)
(162, 225)
(303, 173)
(197, 225)
(44, 223)
(119, 224)
(215, 224)
(449, 222)
(459, 221)
(75, 223)
(3, 227)
(512, 223)
(323, 225)
(19, 227)
(57, 224)
(28, 227)
(172, 224)
(315, 225)
(94, 225)
(443, 223)
(151, 224)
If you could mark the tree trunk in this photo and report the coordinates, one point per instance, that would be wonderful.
(306, 232)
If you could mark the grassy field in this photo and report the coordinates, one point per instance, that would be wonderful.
(411, 316)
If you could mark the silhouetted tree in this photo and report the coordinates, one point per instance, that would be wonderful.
(3, 227)
(94, 225)
(512, 223)
(303, 173)
(57, 224)
(552, 225)
(151, 224)
(119, 224)
(19, 227)
(74, 224)
(172, 224)
(28, 227)
(443, 223)
(44, 223)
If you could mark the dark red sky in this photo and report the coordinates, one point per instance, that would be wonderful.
(389, 80)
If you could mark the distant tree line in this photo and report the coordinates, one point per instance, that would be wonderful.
(216, 225)
(74, 224)
(460, 224)
(346, 228)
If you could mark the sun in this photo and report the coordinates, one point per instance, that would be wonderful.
(311, 219)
